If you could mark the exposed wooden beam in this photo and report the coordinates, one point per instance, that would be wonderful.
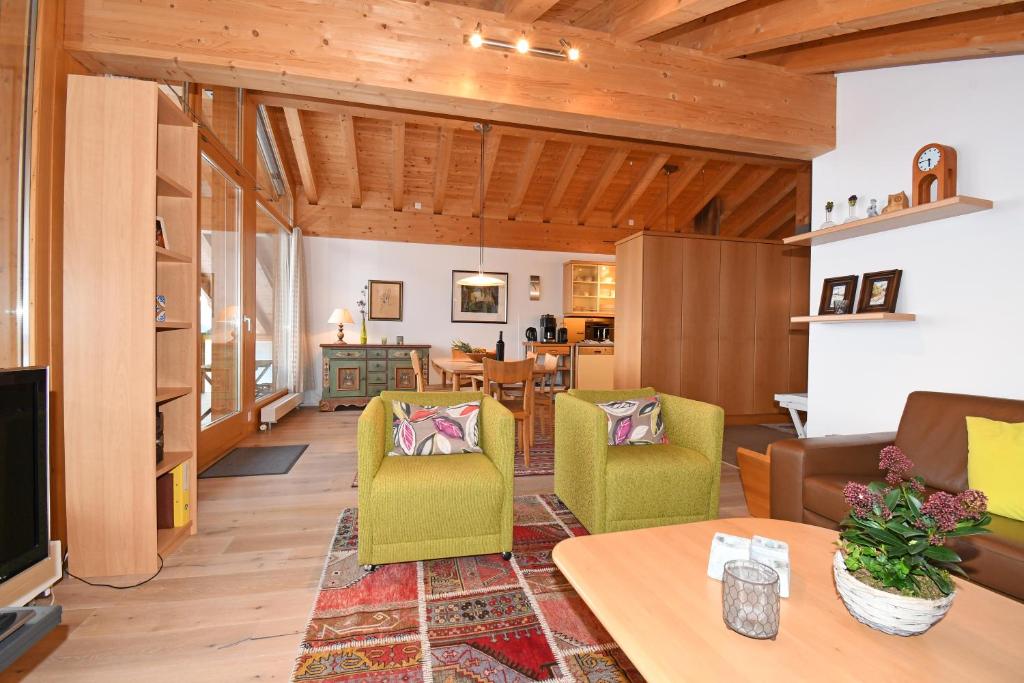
(802, 199)
(442, 162)
(753, 178)
(414, 226)
(351, 151)
(570, 163)
(677, 184)
(526, 168)
(985, 33)
(778, 186)
(411, 55)
(708, 192)
(782, 211)
(600, 184)
(634, 21)
(528, 11)
(640, 185)
(787, 228)
(297, 133)
(398, 165)
(490, 157)
(768, 26)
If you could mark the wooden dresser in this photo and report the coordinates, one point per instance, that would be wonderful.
(355, 373)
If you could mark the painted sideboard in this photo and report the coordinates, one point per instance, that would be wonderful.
(355, 373)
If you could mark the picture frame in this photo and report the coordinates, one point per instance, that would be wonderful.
(879, 291)
(837, 295)
(479, 304)
(161, 234)
(385, 299)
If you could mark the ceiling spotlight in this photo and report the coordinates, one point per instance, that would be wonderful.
(572, 53)
(476, 39)
(522, 45)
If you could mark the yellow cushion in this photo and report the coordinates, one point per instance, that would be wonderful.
(995, 464)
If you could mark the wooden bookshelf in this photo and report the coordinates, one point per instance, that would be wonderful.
(915, 215)
(856, 318)
(131, 155)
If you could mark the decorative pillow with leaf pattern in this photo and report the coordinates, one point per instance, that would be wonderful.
(634, 422)
(435, 430)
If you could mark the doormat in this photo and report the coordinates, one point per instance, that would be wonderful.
(252, 461)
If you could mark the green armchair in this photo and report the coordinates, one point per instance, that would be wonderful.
(617, 488)
(426, 507)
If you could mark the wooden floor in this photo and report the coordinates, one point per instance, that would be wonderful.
(232, 602)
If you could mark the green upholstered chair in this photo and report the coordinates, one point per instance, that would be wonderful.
(617, 488)
(430, 506)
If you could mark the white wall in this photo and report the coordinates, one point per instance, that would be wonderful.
(336, 270)
(963, 277)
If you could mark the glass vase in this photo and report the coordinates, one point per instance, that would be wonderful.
(362, 333)
(750, 599)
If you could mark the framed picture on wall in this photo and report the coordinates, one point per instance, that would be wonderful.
(472, 304)
(837, 295)
(879, 291)
(385, 300)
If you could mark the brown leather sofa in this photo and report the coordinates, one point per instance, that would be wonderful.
(808, 475)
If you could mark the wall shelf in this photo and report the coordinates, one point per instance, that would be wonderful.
(171, 460)
(168, 187)
(165, 394)
(165, 325)
(856, 318)
(173, 256)
(924, 213)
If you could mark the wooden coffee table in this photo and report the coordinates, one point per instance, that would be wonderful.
(650, 590)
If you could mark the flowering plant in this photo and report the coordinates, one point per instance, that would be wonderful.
(894, 540)
(361, 304)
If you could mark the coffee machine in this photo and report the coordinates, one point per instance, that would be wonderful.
(548, 328)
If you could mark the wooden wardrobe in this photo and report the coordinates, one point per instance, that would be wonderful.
(708, 318)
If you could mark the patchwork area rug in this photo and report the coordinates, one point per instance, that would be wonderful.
(468, 619)
(542, 459)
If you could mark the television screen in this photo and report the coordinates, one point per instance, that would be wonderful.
(24, 518)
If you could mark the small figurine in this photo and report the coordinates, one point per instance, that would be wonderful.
(829, 205)
(897, 202)
(852, 202)
(873, 208)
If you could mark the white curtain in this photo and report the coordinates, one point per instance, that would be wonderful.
(295, 323)
(281, 295)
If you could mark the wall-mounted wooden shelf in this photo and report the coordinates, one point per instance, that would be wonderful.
(165, 394)
(856, 318)
(165, 325)
(168, 187)
(925, 213)
(168, 113)
(171, 460)
(173, 256)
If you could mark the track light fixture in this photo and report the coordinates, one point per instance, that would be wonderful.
(566, 51)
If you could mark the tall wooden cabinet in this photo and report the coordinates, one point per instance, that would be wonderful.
(708, 318)
(131, 155)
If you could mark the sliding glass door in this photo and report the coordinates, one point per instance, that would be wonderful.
(271, 272)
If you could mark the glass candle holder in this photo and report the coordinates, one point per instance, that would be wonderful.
(750, 599)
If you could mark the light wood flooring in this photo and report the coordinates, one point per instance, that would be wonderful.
(232, 602)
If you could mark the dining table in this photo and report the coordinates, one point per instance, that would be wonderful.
(460, 368)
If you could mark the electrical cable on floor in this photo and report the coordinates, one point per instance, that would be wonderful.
(120, 588)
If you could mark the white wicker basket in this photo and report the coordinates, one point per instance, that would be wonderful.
(895, 614)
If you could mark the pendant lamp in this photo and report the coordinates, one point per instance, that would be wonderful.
(480, 279)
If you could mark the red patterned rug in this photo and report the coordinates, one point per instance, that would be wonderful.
(464, 619)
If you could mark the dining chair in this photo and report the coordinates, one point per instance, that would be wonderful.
(421, 381)
(499, 373)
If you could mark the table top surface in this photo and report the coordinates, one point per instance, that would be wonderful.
(650, 590)
(465, 366)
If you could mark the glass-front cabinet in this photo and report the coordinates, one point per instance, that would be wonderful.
(588, 288)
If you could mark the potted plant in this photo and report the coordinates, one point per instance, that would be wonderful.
(893, 567)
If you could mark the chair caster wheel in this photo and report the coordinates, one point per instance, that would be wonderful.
(370, 567)
(506, 556)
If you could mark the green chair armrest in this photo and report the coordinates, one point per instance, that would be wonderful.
(581, 454)
(701, 427)
(498, 437)
(371, 440)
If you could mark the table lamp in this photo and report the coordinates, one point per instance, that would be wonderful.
(340, 316)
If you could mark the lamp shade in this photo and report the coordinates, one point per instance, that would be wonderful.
(340, 315)
(480, 279)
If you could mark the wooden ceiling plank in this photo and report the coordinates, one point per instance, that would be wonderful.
(398, 166)
(786, 228)
(635, 21)
(782, 211)
(565, 175)
(778, 186)
(442, 163)
(491, 150)
(640, 185)
(297, 133)
(527, 11)
(983, 33)
(348, 142)
(600, 184)
(802, 199)
(677, 184)
(791, 22)
(685, 216)
(753, 179)
(527, 166)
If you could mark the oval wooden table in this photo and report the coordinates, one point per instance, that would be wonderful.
(650, 590)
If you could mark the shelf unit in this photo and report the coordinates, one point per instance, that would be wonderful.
(856, 318)
(131, 155)
(924, 213)
(588, 288)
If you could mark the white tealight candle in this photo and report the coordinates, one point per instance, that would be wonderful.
(723, 549)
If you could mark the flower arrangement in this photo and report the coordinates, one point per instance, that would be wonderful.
(361, 305)
(894, 540)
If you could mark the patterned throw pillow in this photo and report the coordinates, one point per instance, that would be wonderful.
(634, 422)
(435, 430)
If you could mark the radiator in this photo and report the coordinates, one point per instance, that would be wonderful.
(275, 410)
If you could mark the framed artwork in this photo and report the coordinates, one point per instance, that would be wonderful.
(405, 379)
(471, 304)
(879, 292)
(837, 295)
(385, 300)
(348, 379)
(161, 234)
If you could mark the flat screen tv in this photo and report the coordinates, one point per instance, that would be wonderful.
(24, 467)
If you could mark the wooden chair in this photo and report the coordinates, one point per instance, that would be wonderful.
(421, 382)
(499, 373)
(546, 391)
(755, 476)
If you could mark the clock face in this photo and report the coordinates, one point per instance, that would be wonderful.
(929, 159)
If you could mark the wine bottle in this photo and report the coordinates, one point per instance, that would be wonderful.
(499, 348)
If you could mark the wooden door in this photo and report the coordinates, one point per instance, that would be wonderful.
(662, 313)
(698, 364)
(771, 327)
(737, 311)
